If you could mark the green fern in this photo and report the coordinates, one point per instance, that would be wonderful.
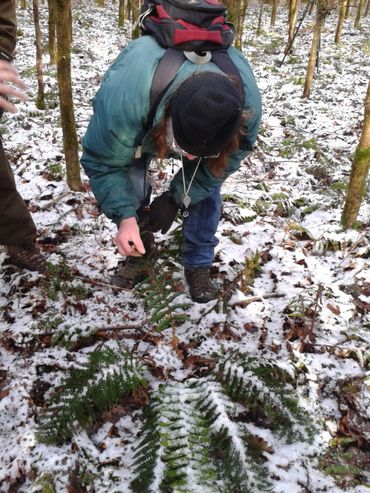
(108, 375)
(262, 384)
(44, 484)
(187, 425)
(159, 293)
(305, 303)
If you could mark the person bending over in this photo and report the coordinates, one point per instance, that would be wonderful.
(205, 118)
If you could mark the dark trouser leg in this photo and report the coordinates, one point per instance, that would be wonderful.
(199, 231)
(16, 224)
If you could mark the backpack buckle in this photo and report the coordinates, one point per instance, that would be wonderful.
(142, 17)
(198, 58)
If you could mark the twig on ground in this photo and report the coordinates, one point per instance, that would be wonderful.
(94, 282)
(135, 326)
(252, 299)
(55, 201)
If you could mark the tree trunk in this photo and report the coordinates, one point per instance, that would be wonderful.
(275, 4)
(293, 12)
(360, 8)
(348, 8)
(359, 171)
(243, 6)
(70, 142)
(121, 13)
(135, 10)
(367, 9)
(40, 100)
(320, 18)
(52, 32)
(129, 9)
(342, 14)
(260, 15)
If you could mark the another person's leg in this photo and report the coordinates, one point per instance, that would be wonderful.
(199, 232)
(17, 229)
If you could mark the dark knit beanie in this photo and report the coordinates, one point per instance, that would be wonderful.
(206, 111)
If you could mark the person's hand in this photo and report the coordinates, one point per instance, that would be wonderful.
(163, 211)
(128, 238)
(10, 74)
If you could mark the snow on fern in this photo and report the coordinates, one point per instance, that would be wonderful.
(107, 376)
(251, 379)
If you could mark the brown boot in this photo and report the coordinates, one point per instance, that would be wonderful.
(202, 288)
(136, 269)
(26, 256)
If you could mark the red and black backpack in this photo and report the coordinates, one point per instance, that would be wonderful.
(193, 29)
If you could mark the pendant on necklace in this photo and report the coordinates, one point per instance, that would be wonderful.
(186, 201)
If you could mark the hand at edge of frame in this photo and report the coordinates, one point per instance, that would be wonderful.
(9, 74)
(128, 239)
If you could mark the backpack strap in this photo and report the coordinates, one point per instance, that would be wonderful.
(168, 67)
(164, 74)
(223, 61)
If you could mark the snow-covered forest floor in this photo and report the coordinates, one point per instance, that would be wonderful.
(219, 379)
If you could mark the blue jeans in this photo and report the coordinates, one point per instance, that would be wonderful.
(199, 228)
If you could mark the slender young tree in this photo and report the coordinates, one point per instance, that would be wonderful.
(121, 13)
(293, 13)
(239, 23)
(360, 9)
(342, 14)
(52, 47)
(367, 8)
(260, 17)
(135, 11)
(70, 142)
(40, 101)
(274, 8)
(320, 19)
(359, 171)
(348, 9)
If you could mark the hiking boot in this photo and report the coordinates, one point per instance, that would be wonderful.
(26, 256)
(202, 288)
(135, 269)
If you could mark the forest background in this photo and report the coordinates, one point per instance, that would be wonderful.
(267, 387)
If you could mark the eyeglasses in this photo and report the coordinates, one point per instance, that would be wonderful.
(175, 147)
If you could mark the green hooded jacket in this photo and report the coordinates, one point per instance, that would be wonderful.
(118, 127)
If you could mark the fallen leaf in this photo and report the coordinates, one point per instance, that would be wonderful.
(3, 394)
(333, 308)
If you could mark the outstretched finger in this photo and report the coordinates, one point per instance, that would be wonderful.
(11, 75)
(7, 105)
(11, 91)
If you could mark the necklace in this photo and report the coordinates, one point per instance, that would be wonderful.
(186, 199)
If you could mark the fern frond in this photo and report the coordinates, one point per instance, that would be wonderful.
(187, 426)
(173, 454)
(159, 293)
(88, 391)
(237, 215)
(251, 381)
(241, 470)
